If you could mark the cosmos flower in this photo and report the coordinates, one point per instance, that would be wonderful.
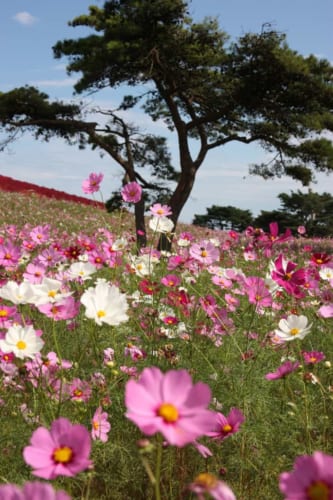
(105, 304)
(159, 210)
(283, 370)
(33, 490)
(206, 483)
(225, 426)
(310, 479)
(169, 403)
(294, 327)
(61, 451)
(100, 425)
(92, 184)
(131, 192)
(22, 341)
(161, 224)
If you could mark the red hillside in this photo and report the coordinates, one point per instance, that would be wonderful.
(14, 186)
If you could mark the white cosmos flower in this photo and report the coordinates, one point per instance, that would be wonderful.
(294, 327)
(81, 270)
(18, 293)
(49, 290)
(105, 304)
(143, 264)
(161, 224)
(326, 273)
(22, 341)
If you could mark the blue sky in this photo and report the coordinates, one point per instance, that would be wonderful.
(29, 29)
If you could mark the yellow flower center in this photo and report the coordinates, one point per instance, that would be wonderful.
(294, 331)
(95, 425)
(160, 211)
(62, 455)
(318, 491)
(7, 256)
(52, 293)
(21, 344)
(101, 313)
(3, 313)
(227, 428)
(168, 412)
(206, 480)
(204, 253)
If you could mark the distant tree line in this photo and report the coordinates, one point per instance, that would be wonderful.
(312, 210)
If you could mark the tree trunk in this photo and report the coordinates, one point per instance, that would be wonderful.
(140, 226)
(177, 202)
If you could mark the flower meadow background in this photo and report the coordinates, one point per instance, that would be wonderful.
(128, 373)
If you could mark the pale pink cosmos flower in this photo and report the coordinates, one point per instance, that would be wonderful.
(225, 426)
(92, 184)
(159, 210)
(100, 425)
(131, 192)
(205, 252)
(169, 403)
(62, 451)
(206, 483)
(33, 490)
(301, 230)
(310, 479)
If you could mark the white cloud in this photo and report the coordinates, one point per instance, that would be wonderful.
(65, 82)
(25, 18)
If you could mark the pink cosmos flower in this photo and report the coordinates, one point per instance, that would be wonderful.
(62, 451)
(171, 280)
(326, 311)
(283, 370)
(92, 184)
(225, 426)
(159, 210)
(40, 234)
(205, 252)
(9, 255)
(131, 192)
(313, 357)
(100, 425)
(301, 230)
(64, 309)
(33, 490)
(310, 479)
(206, 483)
(169, 403)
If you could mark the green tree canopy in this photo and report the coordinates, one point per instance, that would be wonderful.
(224, 218)
(204, 87)
(312, 210)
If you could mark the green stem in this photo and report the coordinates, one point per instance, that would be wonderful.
(158, 471)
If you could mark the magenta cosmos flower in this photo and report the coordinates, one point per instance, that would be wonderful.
(31, 491)
(92, 184)
(169, 403)
(131, 192)
(283, 370)
(310, 479)
(62, 451)
(226, 425)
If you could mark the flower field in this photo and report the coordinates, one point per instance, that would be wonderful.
(206, 372)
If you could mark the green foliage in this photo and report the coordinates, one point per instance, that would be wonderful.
(312, 210)
(228, 217)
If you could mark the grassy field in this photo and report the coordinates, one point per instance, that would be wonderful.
(213, 307)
